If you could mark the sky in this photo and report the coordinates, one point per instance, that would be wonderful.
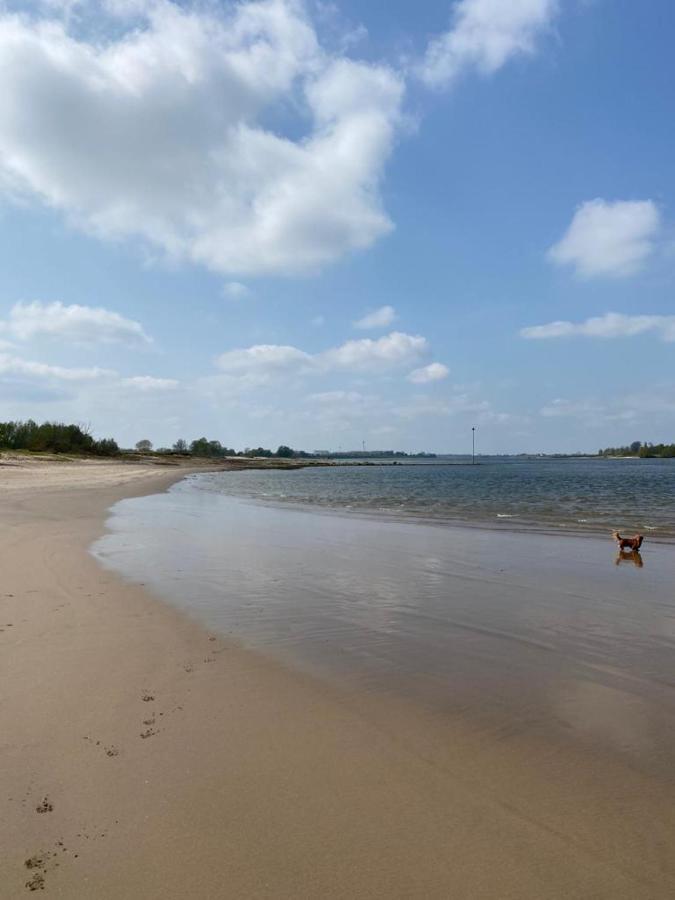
(323, 224)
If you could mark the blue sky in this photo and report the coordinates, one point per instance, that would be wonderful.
(321, 224)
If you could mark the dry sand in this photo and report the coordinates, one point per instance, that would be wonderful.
(141, 757)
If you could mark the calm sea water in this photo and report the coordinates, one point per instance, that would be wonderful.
(574, 494)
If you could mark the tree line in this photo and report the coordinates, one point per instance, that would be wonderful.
(54, 437)
(644, 450)
(60, 437)
(203, 447)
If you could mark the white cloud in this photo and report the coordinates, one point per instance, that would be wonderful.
(13, 365)
(79, 324)
(388, 353)
(392, 351)
(164, 132)
(235, 290)
(433, 372)
(263, 358)
(103, 381)
(611, 325)
(379, 318)
(609, 238)
(149, 383)
(484, 35)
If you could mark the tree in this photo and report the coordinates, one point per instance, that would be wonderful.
(54, 437)
(258, 451)
(144, 446)
(285, 452)
(200, 447)
(180, 446)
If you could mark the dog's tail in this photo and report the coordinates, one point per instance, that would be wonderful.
(616, 535)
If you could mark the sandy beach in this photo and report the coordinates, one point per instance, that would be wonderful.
(146, 757)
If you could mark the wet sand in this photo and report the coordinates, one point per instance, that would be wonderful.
(144, 756)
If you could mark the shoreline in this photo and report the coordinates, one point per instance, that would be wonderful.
(242, 778)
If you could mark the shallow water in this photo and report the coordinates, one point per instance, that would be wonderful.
(530, 632)
(567, 494)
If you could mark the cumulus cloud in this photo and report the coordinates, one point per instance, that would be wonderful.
(485, 34)
(433, 372)
(379, 318)
(609, 238)
(391, 352)
(224, 135)
(395, 350)
(79, 324)
(611, 325)
(263, 358)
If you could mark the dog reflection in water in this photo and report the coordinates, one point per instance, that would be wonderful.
(629, 556)
(629, 549)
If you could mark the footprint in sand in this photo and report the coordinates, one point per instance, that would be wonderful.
(45, 806)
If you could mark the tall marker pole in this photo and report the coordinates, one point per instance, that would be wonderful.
(473, 445)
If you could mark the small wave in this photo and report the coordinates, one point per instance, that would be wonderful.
(507, 515)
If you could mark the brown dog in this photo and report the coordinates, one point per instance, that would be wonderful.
(631, 543)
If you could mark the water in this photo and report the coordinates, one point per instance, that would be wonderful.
(554, 634)
(538, 668)
(587, 495)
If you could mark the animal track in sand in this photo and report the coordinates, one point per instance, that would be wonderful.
(112, 750)
(39, 864)
(44, 806)
(147, 698)
(36, 883)
(149, 732)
